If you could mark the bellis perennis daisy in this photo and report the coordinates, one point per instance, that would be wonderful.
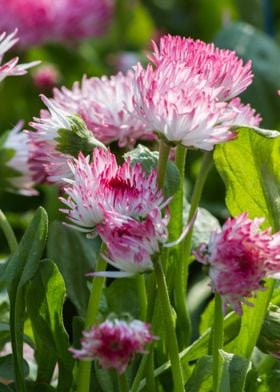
(122, 204)
(114, 343)
(239, 258)
(106, 106)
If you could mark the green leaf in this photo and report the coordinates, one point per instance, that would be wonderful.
(75, 256)
(251, 322)
(149, 160)
(122, 297)
(234, 373)
(7, 371)
(20, 269)
(45, 298)
(76, 139)
(250, 168)
(201, 378)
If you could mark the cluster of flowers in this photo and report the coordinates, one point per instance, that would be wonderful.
(39, 21)
(187, 96)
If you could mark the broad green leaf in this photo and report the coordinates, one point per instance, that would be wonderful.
(251, 322)
(21, 268)
(201, 378)
(250, 168)
(122, 297)
(45, 298)
(75, 256)
(107, 380)
(234, 373)
(7, 371)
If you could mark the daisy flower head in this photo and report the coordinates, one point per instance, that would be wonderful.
(180, 107)
(101, 185)
(114, 343)
(221, 68)
(131, 243)
(239, 258)
(59, 137)
(106, 106)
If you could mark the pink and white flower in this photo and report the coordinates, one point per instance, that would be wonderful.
(102, 185)
(178, 104)
(220, 67)
(132, 243)
(106, 106)
(48, 162)
(18, 143)
(40, 21)
(114, 343)
(239, 258)
(11, 68)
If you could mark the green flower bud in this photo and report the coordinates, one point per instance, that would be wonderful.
(269, 339)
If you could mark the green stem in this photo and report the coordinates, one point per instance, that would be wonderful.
(185, 246)
(123, 384)
(142, 296)
(218, 340)
(170, 335)
(162, 162)
(177, 253)
(8, 232)
(150, 379)
(84, 368)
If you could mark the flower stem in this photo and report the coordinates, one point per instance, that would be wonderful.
(170, 335)
(142, 295)
(84, 368)
(177, 253)
(218, 340)
(185, 251)
(162, 162)
(8, 232)
(123, 384)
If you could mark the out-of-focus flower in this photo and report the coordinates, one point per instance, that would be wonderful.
(11, 68)
(220, 67)
(179, 105)
(106, 106)
(40, 21)
(102, 186)
(15, 152)
(46, 77)
(239, 258)
(114, 343)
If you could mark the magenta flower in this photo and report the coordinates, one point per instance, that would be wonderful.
(132, 243)
(102, 186)
(46, 77)
(178, 104)
(239, 258)
(39, 21)
(106, 106)
(114, 343)
(221, 68)
(11, 68)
